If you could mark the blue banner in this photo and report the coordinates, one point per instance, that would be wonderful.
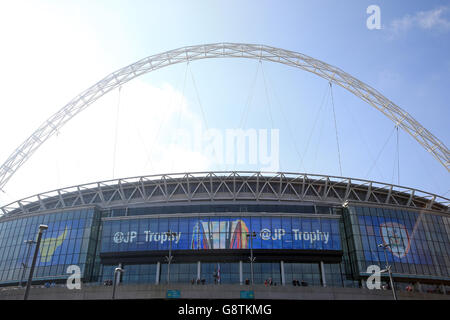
(203, 233)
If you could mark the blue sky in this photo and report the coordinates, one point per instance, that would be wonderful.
(52, 50)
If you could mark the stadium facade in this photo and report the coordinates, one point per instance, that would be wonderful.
(320, 230)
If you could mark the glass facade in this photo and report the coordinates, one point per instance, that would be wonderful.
(417, 243)
(306, 273)
(262, 271)
(137, 273)
(226, 272)
(304, 244)
(68, 241)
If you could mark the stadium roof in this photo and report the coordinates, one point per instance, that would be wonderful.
(228, 186)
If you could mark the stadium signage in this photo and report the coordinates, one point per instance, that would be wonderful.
(311, 236)
(161, 237)
(265, 234)
(125, 237)
(199, 233)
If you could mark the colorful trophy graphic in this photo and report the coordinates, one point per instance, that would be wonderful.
(220, 235)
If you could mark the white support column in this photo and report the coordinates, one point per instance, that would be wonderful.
(241, 276)
(283, 279)
(322, 271)
(158, 272)
(199, 268)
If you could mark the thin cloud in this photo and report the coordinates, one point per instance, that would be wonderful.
(437, 19)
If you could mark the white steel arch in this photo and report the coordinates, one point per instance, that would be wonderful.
(223, 50)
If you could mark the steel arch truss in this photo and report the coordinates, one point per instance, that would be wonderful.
(229, 186)
(223, 50)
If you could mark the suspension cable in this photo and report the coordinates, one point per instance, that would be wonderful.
(179, 116)
(429, 173)
(376, 159)
(363, 139)
(321, 130)
(335, 127)
(249, 100)
(58, 147)
(198, 99)
(269, 105)
(398, 157)
(248, 103)
(396, 160)
(267, 95)
(149, 161)
(291, 135)
(314, 126)
(116, 133)
(173, 134)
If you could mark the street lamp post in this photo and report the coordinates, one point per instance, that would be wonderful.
(170, 235)
(251, 236)
(42, 228)
(388, 269)
(116, 275)
(25, 264)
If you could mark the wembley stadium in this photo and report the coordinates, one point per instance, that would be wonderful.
(277, 235)
(322, 231)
